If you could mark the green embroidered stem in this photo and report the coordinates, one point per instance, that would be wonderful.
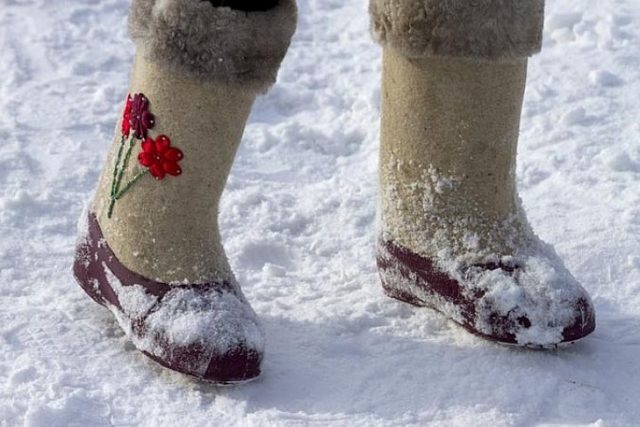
(130, 184)
(115, 169)
(111, 206)
(119, 173)
(125, 163)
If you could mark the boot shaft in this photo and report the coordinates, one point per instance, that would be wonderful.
(454, 77)
(197, 71)
(449, 135)
(457, 119)
(168, 228)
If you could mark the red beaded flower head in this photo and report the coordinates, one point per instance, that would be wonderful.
(160, 157)
(126, 117)
(136, 116)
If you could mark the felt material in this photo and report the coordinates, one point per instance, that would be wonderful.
(449, 135)
(167, 230)
(214, 43)
(479, 30)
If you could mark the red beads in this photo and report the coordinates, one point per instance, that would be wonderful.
(160, 157)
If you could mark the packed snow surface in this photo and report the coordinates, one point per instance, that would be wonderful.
(298, 218)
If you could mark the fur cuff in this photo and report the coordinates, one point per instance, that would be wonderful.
(487, 30)
(214, 43)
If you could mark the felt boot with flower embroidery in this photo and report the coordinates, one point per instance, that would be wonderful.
(149, 247)
(454, 236)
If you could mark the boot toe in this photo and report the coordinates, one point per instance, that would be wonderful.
(584, 321)
(212, 335)
(537, 304)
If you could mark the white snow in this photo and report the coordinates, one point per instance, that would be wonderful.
(134, 300)
(301, 201)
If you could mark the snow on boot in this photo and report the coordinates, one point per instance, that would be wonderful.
(149, 247)
(453, 235)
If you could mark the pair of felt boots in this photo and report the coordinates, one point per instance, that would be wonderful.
(453, 235)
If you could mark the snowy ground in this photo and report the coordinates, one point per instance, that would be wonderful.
(298, 219)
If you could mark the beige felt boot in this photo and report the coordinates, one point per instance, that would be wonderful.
(150, 250)
(453, 234)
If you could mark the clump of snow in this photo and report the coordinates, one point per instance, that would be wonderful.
(605, 78)
(563, 21)
(274, 270)
(574, 116)
(218, 319)
(134, 300)
(540, 289)
(622, 162)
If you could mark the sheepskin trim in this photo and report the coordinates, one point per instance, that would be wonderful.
(477, 29)
(210, 43)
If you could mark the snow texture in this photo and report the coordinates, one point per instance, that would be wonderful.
(298, 221)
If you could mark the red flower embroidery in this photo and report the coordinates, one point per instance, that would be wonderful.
(126, 117)
(160, 157)
(140, 119)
